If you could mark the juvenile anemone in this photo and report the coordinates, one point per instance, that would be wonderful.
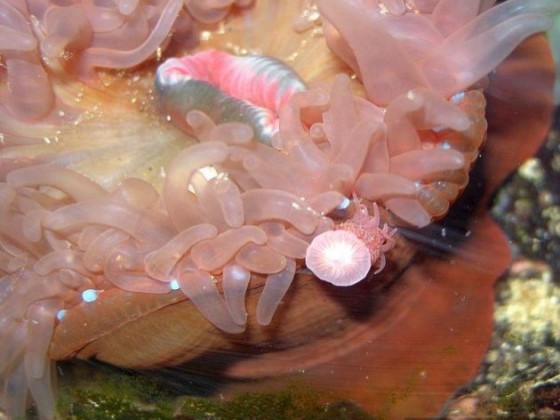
(344, 256)
(338, 257)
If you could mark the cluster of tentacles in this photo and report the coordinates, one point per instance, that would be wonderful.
(44, 37)
(64, 237)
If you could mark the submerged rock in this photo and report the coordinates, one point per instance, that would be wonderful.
(520, 376)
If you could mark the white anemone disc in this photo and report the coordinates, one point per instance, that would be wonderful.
(338, 257)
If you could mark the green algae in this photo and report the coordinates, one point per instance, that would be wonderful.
(293, 403)
(89, 392)
(105, 393)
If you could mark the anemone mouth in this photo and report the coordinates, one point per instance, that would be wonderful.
(338, 257)
(116, 116)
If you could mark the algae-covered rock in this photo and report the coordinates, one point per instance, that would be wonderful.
(520, 377)
(101, 392)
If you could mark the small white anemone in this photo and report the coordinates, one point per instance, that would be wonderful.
(338, 257)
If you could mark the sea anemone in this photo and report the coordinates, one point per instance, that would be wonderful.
(228, 210)
(344, 256)
(338, 257)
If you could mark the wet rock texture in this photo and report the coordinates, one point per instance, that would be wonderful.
(528, 207)
(521, 374)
